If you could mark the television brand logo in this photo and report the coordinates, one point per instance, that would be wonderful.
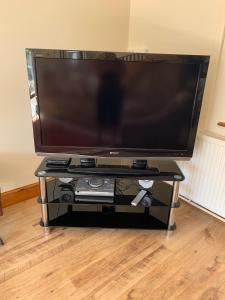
(113, 152)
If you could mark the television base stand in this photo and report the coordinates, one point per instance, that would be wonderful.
(154, 209)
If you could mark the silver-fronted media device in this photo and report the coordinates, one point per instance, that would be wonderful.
(95, 186)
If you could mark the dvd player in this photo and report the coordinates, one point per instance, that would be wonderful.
(95, 186)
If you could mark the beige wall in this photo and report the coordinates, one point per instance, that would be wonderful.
(157, 25)
(189, 27)
(69, 24)
(217, 106)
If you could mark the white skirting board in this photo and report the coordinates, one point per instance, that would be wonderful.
(205, 175)
(202, 208)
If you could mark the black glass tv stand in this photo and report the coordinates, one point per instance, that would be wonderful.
(154, 212)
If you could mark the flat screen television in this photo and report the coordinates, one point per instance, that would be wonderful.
(115, 104)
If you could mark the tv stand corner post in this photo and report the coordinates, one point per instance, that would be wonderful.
(174, 205)
(44, 206)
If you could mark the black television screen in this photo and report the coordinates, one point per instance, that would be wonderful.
(121, 104)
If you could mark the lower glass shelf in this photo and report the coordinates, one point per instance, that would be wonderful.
(107, 220)
(106, 215)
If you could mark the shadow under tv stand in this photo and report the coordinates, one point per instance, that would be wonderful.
(70, 211)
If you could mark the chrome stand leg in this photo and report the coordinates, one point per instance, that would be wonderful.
(47, 230)
(44, 206)
(171, 224)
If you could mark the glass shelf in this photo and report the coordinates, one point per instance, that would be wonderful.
(98, 219)
(126, 190)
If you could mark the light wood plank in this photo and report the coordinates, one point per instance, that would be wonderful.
(174, 274)
(92, 263)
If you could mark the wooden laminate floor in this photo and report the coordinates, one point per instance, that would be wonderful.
(90, 263)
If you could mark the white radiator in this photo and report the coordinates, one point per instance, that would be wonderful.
(205, 175)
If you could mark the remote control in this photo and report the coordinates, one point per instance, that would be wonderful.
(139, 197)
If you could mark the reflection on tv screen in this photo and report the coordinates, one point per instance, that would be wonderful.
(97, 103)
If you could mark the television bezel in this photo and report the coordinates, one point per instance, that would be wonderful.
(40, 149)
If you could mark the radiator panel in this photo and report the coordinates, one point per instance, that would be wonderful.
(205, 175)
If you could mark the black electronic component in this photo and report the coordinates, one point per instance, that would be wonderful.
(113, 171)
(147, 200)
(94, 199)
(139, 164)
(66, 193)
(58, 163)
(87, 162)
